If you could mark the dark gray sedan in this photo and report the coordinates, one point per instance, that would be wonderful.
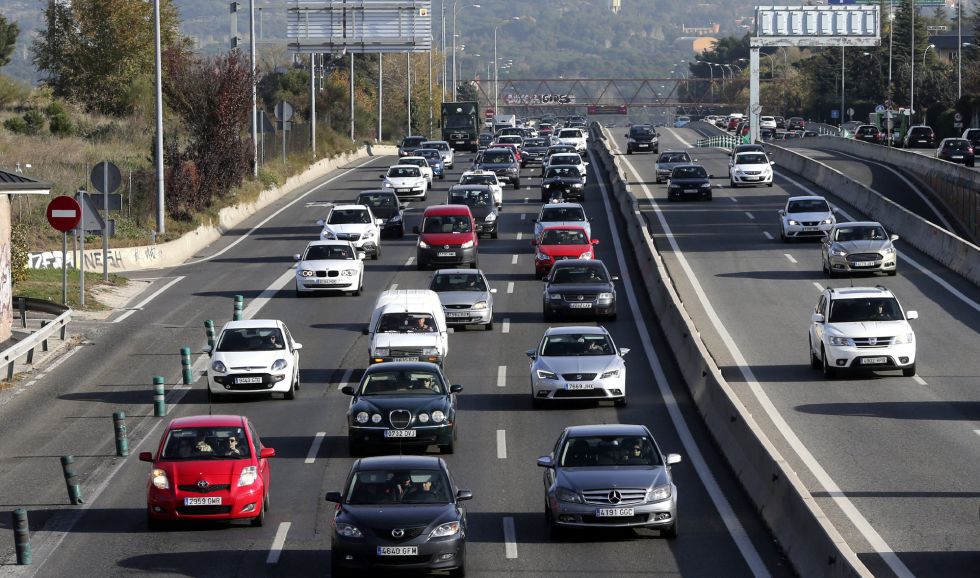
(668, 160)
(689, 181)
(579, 287)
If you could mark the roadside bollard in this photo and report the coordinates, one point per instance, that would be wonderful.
(239, 305)
(71, 481)
(22, 537)
(185, 365)
(122, 441)
(209, 332)
(159, 401)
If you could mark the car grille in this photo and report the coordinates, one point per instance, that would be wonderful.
(203, 510)
(578, 376)
(863, 257)
(410, 533)
(626, 496)
(458, 136)
(873, 342)
(348, 236)
(637, 519)
(580, 297)
(405, 352)
(400, 418)
(464, 306)
(205, 490)
(573, 393)
(809, 223)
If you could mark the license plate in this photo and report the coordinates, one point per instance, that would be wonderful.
(212, 501)
(248, 380)
(580, 305)
(405, 358)
(864, 264)
(399, 433)
(458, 314)
(690, 190)
(810, 228)
(447, 253)
(874, 360)
(328, 281)
(643, 146)
(578, 386)
(398, 550)
(613, 512)
(957, 158)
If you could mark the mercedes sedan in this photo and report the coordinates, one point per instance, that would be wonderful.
(577, 363)
(609, 476)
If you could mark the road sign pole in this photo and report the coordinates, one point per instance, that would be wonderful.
(64, 268)
(105, 221)
(81, 254)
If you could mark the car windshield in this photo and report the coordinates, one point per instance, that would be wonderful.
(562, 214)
(369, 487)
(413, 142)
(870, 233)
(560, 149)
(498, 158)
(579, 274)
(576, 344)
(570, 133)
(565, 159)
(446, 224)
(751, 159)
(402, 172)
(592, 451)
(329, 252)
(478, 180)
(689, 173)
(642, 131)
(458, 282)
(472, 197)
(562, 172)
(510, 139)
(406, 323)
(535, 142)
(251, 339)
(432, 154)
(378, 201)
(871, 309)
(348, 216)
(206, 443)
(438, 145)
(417, 162)
(957, 145)
(674, 158)
(457, 121)
(402, 382)
(564, 237)
(867, 129)
(486, 138)
(808, 206)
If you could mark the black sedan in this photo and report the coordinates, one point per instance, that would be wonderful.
(534, 149)
(399, 513)
(565, 180)
(689, 181)
(384, 205)
(400, 404)
(579, 286)
(479, 198)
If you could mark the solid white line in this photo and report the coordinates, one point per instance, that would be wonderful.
(808, 459)
(768, 235)
(410, 261)
(505, 326)
(977, 431)
(749, 215)
(733, 199)
(144, 302)
(315, 448)
(61, 360)
(510, 286)
(523, 216)
(818, 286)
(513, 260)
(393, 286)
(510, 538)
(277, 543)
(267, 294)
(501, 444)
(502, 376)
(919, 380)
(345, 379)
(520, 236)
(790, 257)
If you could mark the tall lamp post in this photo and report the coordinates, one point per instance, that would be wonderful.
(496, 75)
(456, 10)
(924, 52)
(711, 73)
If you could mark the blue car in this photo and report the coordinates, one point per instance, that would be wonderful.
(434, 158)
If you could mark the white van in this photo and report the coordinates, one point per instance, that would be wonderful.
(408, 325)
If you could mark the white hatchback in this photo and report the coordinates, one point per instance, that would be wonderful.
(406, 181)
(422, 163)
(329, 266)
(750, 168)
(806, 216)
(253, 356)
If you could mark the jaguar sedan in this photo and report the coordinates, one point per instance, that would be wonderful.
(465, 296)
(577, 363)
(399, 404)
(397, 514)
(609, 476)
(329, 266)
(253, 356)
(579, 287)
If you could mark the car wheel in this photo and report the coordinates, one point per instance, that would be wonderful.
(448, 448)
(708, 198)
(782, 235)
(488, 326)
(547, 314)
(336, 570)
(154, 524)
(909, 371)
(259, 521)
(401, 232)
(611, 316)
(829, 371)
(517, 184)
(620, 402)
(442, 176)
(296, 383)
(291, 393)
(493, 234)
(814, 361)
(769, 184)
(893, 273)
(214, 397)
(658, 180)
(670, 532)
(629, 151)
(536, 402)
(353, 450)
(732, 183)
(424, 195)
(357, 292)
(971, 164)
(377, 254)
(420, 265)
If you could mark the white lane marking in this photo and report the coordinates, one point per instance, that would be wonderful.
(501, 444)
(733, 199)
(818, 286)
(277, 543)
(345, 379)
(749, 215)
(505, 327)
(905, 258)
(510, 286)
(267, 294)
(977, 431)
(510, 538)
(144, 302)
(394, 286)
(526, 200)
(520, 236)
(523, 216)
(502, 376)
(808, 459)
(315, 447)
(790, 257)
(768, 235)
(734, 526)
(919, 380)
(513, 260)
(409, 262)
(276, 214)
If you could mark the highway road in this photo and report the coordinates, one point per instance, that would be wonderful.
(67, 409)
(890, 459)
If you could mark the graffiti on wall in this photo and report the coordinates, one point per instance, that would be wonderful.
(6, 287)
(120, 259)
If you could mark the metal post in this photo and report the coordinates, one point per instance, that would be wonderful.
(81, 253)
(891, 34)
(959, 49)
(431, 112)
(105, 222)
(454, 52)
(352, 96)
(239, 305)
(122, 441)
(408, 72)
(161, 200)
(753, 94)
(255, 116)
(209, 332)
(444, 59)
(71, 481)
(496, 90)
(22, 537)
(912, 70)
(64, 268)
(842, 86)
(380, 93)
(185, 366)
(159, 399)
(312, 103)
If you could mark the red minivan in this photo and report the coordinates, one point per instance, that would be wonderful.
(447, 237)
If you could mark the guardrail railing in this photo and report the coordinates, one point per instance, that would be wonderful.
(722, 141)
(26, 346)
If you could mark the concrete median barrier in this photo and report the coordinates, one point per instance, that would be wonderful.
(810, 541)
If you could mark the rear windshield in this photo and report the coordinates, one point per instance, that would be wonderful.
(458, 282)
(808, 206)
(402, 382)
(348, 217)
(329, 252)
(871, 309)
(579, 274)
(404, 172)
(498, 158)
(562, 214)
(674, 158)
(472, 197)
(399, 487)
(414, 141)
(689, 173)
(575, 344)
(868, 233)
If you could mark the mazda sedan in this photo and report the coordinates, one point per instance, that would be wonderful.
(577, 363)
(398, 514)
(609, 476)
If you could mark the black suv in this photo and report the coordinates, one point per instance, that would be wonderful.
(410, 144)
(502, 162)
(642, 137)
(868, 133)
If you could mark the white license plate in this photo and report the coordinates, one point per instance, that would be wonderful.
(580, 305)
(690, 190)
(458, 314)
(864, 264)
(613, 512)
(810, 228)
(643, 146)
(447, 253)
(212, 501)
(328, 281)
(405, 358)
(874, 360)
(248, 380)
(399, 433)
(398, 550)
(957, 158)
(578, 386)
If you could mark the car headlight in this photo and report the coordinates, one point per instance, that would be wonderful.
(605, 296)
(349, 272)
(348, 531)
(586, 255)
(466, 245)
(491, 217)
(546, 186)
(438, 416)
(327, 234)
(544, 374)
(306, 273)
(705, 185)
(423, 244)
(512, 170)
(248, 476)
(423, 417)
(612, 373)
(907, 338)
(566, 495)
(362, 417)
(218, 366)
(381, 352)
(368, 234)
(554, 296)
(792, 222)
(539, 256)
(827, 221)
(397, 218)
(577, 185)
(480, 305)
(659, 493)
(889, 250)
(444, 530)
(279, 365)
(841, 341)
(387, 185)
(159, 479)
(838, 251)
(430, 351)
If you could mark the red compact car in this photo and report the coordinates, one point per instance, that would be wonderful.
(208, 467)
(557, 243)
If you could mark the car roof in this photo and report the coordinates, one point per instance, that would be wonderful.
(500, 148)
(398, 463)
(564, 228)
(807, 198)
(462, 187)
(328, 242)
(435, 142)
(458, 272)
(252, 324)
(207, 421)
(562, 206)
(578, 263)
(672, 151)
(440, 210)
(377, 192)
(402, 365)
(574, 329)
(350, 207)
(606, 429)
(860, 292)
(401, 166)
(402, 160)
(859, 224)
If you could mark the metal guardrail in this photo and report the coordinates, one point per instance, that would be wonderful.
(40, 337)
(722, 141)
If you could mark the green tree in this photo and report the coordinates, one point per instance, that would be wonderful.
(8, 38)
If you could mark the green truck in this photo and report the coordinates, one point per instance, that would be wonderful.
(460, 124)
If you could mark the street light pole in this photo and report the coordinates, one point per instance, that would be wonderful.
(842, 87)
(496, 74)
(455, 11)
(255, 116)
(959, 49)
(161, 221)
(912, 70)
(444, 59)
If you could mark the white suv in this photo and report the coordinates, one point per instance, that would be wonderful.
(354, 223)
(861, 328)
(575, 137)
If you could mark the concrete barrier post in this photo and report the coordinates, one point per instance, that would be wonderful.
(159, 400)
(71, 481)
(122, 440)
(239, 305)
(185, 364)
(22, 537)
(209, 332)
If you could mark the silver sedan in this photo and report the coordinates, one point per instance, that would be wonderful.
(466, 297)
(859, 247)
(577, 363)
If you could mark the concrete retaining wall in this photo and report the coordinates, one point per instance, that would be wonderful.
(810, 541)
(175, 252)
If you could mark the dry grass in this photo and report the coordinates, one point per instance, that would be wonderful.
(46, 284)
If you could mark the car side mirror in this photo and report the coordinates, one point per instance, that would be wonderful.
(586, 163)
(319, 222)
(381, 177)
(463, 495)
(546, 462)
(361, 255)
(772, 162)
(531, 353)
(711, 176)
(347, 390)
(455, 388)
(207, 349)
(146, 456)
(825, 238)
(297, 257)
(450, 330)
(265, 453)
(415, 230)
(595, 241)
(911, 315)
(782, 212)
(673, 459)
(614, 278)
(534, 242)
(817, 318)
(334, 497)
(534, 220)
(623, 351)
(626, 135)
(894, 237)
(493, 291)
(379, 222)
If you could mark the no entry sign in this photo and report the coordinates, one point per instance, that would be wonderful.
(64, 213)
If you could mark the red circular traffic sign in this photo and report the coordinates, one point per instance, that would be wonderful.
(489, 113)
(64, 213)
